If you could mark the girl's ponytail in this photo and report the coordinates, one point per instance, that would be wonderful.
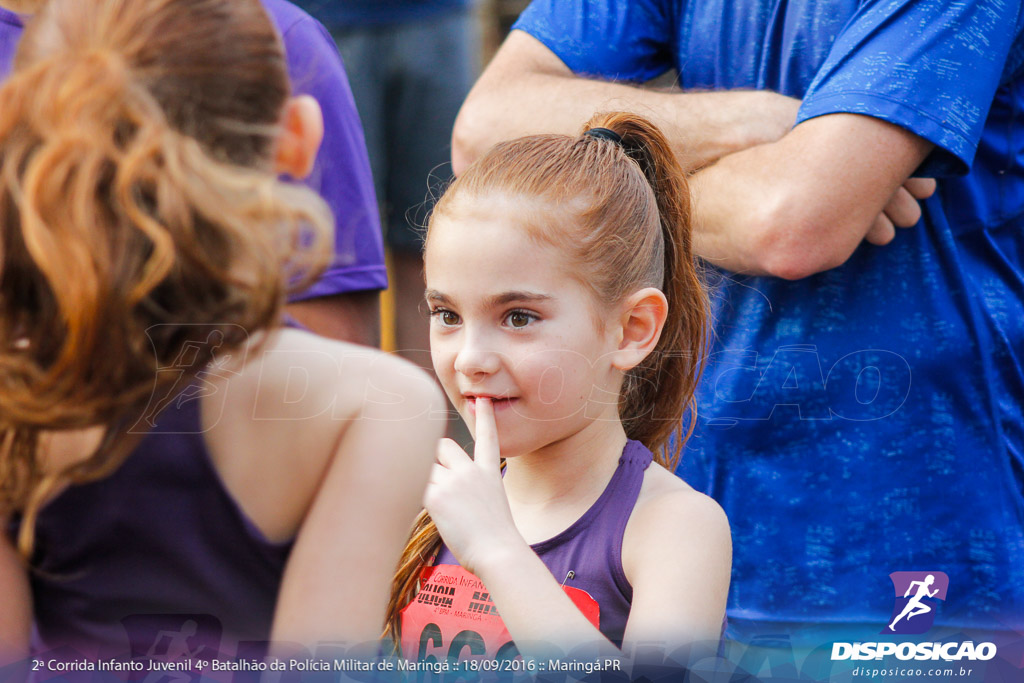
(423, 545)
(660, 390)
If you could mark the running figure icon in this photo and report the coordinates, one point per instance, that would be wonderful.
(915, 606)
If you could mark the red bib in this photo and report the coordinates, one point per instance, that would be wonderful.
(452, 617)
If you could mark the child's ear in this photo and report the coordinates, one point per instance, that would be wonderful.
(642, 317)
(302, 131)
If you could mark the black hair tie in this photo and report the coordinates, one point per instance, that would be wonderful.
(605, 134)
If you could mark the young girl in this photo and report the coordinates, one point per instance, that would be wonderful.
(568, 328)
(145, 247)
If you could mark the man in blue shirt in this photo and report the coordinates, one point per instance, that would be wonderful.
(861, 413)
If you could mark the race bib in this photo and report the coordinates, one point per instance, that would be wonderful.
(452, 617)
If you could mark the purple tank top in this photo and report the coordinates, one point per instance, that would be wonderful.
(157, 559)
(588, 555)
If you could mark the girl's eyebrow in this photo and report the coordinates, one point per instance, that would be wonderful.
(502, 299)
(516, 297)
(434, 295)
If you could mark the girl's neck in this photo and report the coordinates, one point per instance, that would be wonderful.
(569, 472)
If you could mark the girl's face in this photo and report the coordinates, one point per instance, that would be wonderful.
(509, 322)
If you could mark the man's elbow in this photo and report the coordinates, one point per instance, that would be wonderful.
(792, 245)
(463, 152)
(791, 264)
(469, 136)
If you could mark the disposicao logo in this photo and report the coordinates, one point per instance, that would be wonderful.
(916, 597)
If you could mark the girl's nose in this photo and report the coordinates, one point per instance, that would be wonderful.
(473, 359)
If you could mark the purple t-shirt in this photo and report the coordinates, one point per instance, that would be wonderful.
(342, 170)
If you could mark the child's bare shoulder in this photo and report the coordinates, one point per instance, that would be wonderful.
(286, 407)
(671, 516)
(326, 376)
(665, 493)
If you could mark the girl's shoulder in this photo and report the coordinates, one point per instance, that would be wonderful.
(284, 406)
(662, 487)
(677, 557)
(672, 518)
(293, 374)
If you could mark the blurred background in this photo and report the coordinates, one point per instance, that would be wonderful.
(411, 64)
(495, 19)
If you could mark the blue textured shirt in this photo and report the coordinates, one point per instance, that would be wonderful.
(867, 419)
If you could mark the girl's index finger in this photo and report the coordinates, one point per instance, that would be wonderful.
(486, 451)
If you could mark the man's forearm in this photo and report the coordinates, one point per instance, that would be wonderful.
(526, 90)
(769, 199)
(803, 204)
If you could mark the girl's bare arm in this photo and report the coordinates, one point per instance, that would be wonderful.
(338, 579)
(16, 615)
(677, 555)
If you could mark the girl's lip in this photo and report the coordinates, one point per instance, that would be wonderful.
(496, 403)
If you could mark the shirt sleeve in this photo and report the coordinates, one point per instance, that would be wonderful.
(930, 66)
(627, 40)
(341, 173)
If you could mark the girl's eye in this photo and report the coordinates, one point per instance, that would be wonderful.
(446, 317)
(519, 319)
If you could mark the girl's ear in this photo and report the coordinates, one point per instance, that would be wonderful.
(302, 130)
(642, 317)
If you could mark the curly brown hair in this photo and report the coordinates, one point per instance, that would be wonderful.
(139, 212)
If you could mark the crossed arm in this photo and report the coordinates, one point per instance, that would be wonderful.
(550, 98)
(770, 198)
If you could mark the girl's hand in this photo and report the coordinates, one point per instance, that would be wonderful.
(466, 499)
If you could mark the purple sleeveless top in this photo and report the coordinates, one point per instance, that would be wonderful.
(588, 555)
(156, 559)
